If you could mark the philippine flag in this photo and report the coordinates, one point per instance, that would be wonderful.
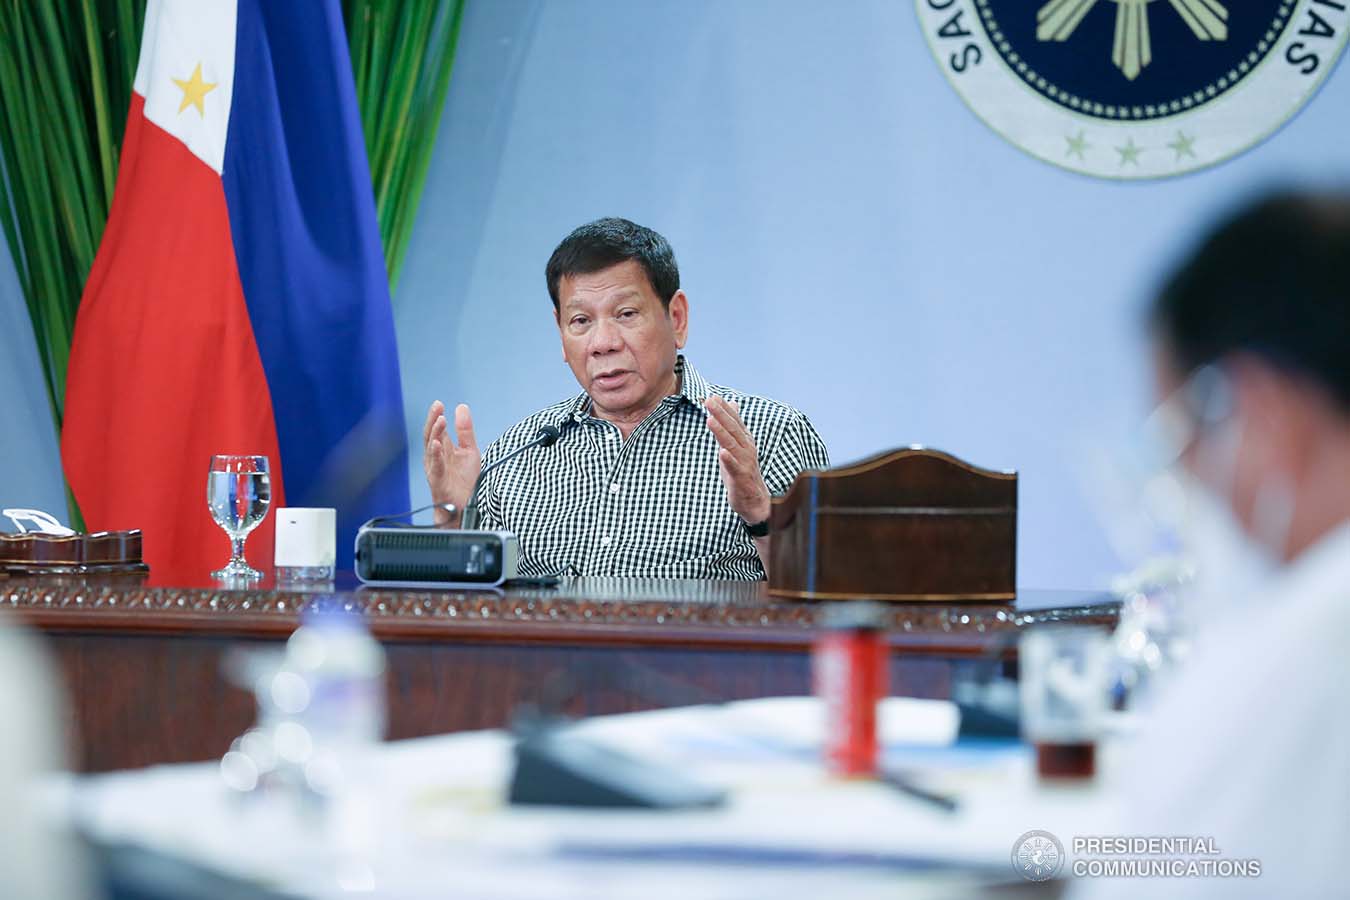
(239, 301)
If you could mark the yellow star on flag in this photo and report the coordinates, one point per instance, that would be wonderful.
(194, 91)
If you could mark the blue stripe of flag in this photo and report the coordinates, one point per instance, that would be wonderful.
(302, 217)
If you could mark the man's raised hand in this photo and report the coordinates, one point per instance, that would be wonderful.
(739, 461)
(451, 467)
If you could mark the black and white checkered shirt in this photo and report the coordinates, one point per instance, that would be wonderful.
(653, 505)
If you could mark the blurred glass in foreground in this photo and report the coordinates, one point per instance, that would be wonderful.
(321, 712)
(1064, 692)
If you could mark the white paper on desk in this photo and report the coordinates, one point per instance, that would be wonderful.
(780, 729)
(800, 721)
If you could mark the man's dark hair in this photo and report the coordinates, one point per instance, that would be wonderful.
(1272, 281)
(606, 242)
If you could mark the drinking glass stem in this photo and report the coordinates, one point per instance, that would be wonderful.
(237, 549)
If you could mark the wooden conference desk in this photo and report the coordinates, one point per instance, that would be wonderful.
(142, 661)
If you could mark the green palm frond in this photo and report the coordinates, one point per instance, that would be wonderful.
(59, 152)
(65, 79)
(402, 52)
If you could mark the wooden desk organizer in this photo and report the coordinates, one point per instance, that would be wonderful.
(33, 553)
(911, 524)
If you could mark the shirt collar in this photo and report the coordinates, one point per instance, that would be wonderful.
(692, 388)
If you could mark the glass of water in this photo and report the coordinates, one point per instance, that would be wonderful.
(238, 492)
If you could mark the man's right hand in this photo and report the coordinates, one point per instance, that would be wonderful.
(451, 468)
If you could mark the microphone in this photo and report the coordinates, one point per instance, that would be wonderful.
(544, 437)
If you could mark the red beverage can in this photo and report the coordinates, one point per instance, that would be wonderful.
(850, 669)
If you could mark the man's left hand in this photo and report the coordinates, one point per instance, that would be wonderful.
(739, 461)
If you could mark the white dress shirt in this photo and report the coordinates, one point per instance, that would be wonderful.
(37, 862)
(1250, 743)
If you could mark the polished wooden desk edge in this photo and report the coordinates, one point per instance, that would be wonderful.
(744, 617)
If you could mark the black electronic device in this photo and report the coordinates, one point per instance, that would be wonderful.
(556, 766)
(388, 556)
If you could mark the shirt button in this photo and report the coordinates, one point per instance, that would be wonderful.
(606, 541)
(614, 488)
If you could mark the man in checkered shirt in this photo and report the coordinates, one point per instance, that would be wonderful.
(655, 472)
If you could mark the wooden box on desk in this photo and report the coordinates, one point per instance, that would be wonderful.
(911, 524)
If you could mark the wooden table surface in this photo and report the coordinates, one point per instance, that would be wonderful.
(142, 658)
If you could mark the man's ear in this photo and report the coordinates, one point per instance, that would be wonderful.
(678, 313)
(1283, 407)
(1260, 391)
(557, 320)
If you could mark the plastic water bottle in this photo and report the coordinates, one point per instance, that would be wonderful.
(343, 667)
(308, 761)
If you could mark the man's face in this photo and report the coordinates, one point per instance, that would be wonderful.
(619, 339)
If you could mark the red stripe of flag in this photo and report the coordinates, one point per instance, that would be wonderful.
(164, 370)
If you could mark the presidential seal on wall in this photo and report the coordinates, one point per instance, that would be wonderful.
(1135, 88)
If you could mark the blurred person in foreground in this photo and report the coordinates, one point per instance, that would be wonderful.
(1250, 743)
(38, 861)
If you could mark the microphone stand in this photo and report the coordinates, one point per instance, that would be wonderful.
(544, 437)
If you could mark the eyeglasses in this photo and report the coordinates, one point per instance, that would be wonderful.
(1202, 402)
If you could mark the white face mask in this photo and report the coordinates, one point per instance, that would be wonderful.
(1231, 567)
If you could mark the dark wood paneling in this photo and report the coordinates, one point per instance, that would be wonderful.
(143, 665)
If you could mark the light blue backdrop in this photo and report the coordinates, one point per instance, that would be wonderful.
(852, 239)
(30, 472)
